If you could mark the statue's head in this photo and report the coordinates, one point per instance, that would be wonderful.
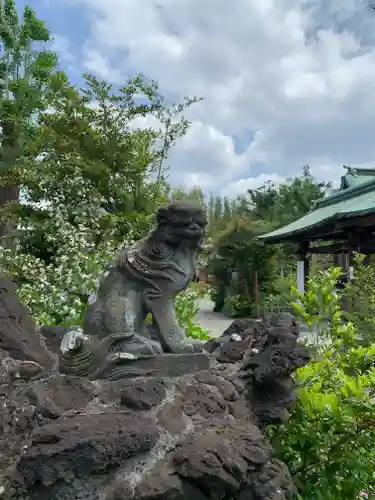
(182, 221)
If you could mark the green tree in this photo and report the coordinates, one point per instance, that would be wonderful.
(218, 208)
(242, 205)
(227, 213)
(288, 201)
(177, 193)
(280, 205)
(262, 202)
(239, 262)
(297, 197)
(196, 194)
(234, 207)
(89, 187)
(361, 298)
(89, 169)
(25, 72)
(211, 211)
(193, 194)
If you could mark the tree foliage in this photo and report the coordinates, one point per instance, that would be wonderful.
(92, 171)
(361, 298)
(288, 201)
(26, 69)
(241, 265)
(194, 194)
(262, 210)
(90, 161)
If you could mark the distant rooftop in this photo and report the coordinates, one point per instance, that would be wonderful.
(355, 182)
(356, 176)
(355, 198)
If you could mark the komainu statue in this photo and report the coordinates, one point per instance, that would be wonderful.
(144, 280)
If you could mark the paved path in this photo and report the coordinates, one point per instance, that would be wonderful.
(215, 323)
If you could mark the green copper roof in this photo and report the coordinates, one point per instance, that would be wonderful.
(356, 176)
(354, 201)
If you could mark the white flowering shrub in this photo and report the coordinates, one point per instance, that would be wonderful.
(56, 293)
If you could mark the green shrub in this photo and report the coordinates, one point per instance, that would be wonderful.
(279, 299)
(328, 443)
(186, 307)
(201, 289)
(361, 295)
(56, 293)
(274, 303)
(320, 306)
(283, 284)
(238, 306)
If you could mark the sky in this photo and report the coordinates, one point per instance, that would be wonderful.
(284, 83)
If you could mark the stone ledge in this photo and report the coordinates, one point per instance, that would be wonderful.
(163, 365)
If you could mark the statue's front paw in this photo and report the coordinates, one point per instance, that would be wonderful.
(198, 346)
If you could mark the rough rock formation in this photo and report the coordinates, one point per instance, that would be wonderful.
(193, 436)
(18, 335)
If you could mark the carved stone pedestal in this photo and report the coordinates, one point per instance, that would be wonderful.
(164, 365)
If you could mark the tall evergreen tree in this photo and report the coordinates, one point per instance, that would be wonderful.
(226, 209)
(218, 209)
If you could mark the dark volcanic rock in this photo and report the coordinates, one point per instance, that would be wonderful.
(83, 445)
(201, 399)
(268, 365)
(218, 460)
(284, 320)
(242, 327)
(55, 395)
(231, 346)
(190, 431)
(53, 336)
(233, 350)
(18, 336)
(143, 394)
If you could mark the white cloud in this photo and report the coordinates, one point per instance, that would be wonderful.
(211, 164)
(62, 46)
(96, 63)
(284, 82)
(236, 188)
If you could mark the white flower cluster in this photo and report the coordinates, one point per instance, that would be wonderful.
(56, 293)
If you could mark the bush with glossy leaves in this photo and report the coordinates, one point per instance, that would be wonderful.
(328, 443)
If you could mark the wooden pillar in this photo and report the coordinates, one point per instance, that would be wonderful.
(354, 243)
(303, 266)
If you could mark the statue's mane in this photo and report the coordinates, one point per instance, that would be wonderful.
(151, 261)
